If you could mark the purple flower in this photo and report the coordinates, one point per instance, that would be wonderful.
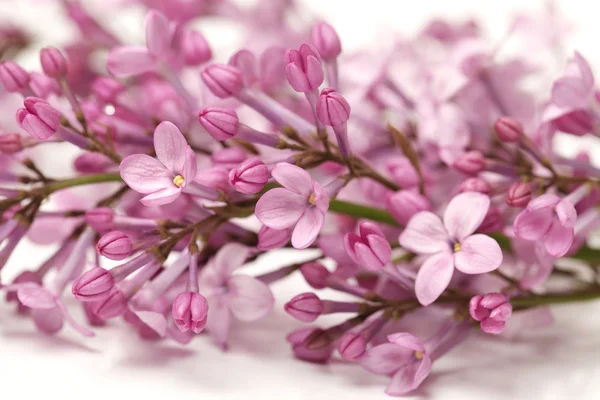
(249, 177)
(404, 359)
(450, 244)
(371, 249)
(304, 70)
(53, 62)
(38, 118)
(492, 310)
(190, 312)
(115, 245)
(548, 219)
(242, 296)
(301, 203)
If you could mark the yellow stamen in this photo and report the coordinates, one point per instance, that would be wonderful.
(178, 180)
(456, 247)
(311, 199)
(419, 355)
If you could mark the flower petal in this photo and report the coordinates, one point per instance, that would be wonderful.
(308, 227)
(478, 254)
(125, 61)
(156, 321)
(229, 258)
(161, 197)
(280, 208)
(158, 33)
(566, 213)
(559, 239)
(249, 298)
(145, 174)
(533, 224)
(293, 178)
(407, 340)
(218, 323)
(190, 166)
(434, 277)
(386, 358)
(170, 146)
(465, 213)
(48, 320)
(409, 377)
(425, 234)
(34, 296)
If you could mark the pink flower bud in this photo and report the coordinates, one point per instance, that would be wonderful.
(54, 63)
(190, 311)
(115, 245)
(298, 338)
(91, 316)
(476, 185)
(10, 143)
(493, 221)
(216, 177)
(92, 163)
(246, 62)
(42, 85)
(492, 310)
(303, 69)
(332, 108)
(94, 285)
(404, 204)
(326, 41)
(403, 172)
(100, 219)
(470, 163)
(371, 249)
(38, 118)
(519, 194)
(305, 307)
(13, 77)
(223, 80)
(578, 122)
(315, 274)
(220, 122)
(249, 177)
(352, 346)
(269, 238)
(508, 129)
(112, 306)
(107, 89)
(229, 158)
(194, 48)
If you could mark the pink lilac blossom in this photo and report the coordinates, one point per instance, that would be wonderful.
(415, 180)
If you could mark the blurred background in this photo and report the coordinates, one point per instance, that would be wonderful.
(558, 364)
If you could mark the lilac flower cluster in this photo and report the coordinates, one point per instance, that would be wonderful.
(426, 172)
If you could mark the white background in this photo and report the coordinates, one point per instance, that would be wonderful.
(562, 362)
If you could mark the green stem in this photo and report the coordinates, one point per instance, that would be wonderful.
(362, 211)
(79, 181)
(529, 301)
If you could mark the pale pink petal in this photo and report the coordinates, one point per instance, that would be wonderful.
(128, 61)
(190, 167)
(544, 201)
(494, 327)
(170, 146)
(308, 227)
(576, 87)
(409, 377)
(293, 178)
(465, 213)
(48, 320)
(156, 321)
(161, 197)
(386, 358)
(218, 322)
(145, 174)
(478, 254)
(434, 277)
(158, 33)
(533, 224)
(407, 340)
(425, 234)
(559, 239)
(280, 208)
(229, 258)
(34, 296)
(566, 213)
(365, 257)
(249, 298)
(74, 324)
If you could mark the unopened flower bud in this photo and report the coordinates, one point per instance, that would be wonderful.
(100, 219)
(519, 194)
(112, 306)
(107, 89)
(249, 177)
(508, 129)
(475, 185)
(492, 310)
(269, 238)
(194, 48)
(94, 285)
(578, 122)
(326, 41)
(223, 80)
(352, 346)
(470, 163)
(406, 203)
(220, 122)
(305, 307)
(229, 158)
(303, 69)
(371, 249)
(115, 245)
(13, 77)
(54, 63)
(332, 108)
(38, 118)
(315, 274)
(190, 311)
(10, 143)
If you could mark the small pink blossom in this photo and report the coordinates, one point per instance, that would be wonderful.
(492, 310)
(371, 249)
(451, 244)
(304, 70)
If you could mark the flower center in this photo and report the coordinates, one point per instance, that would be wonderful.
(456, 247)
(419, 355)
(178, 181)
(311, 199)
